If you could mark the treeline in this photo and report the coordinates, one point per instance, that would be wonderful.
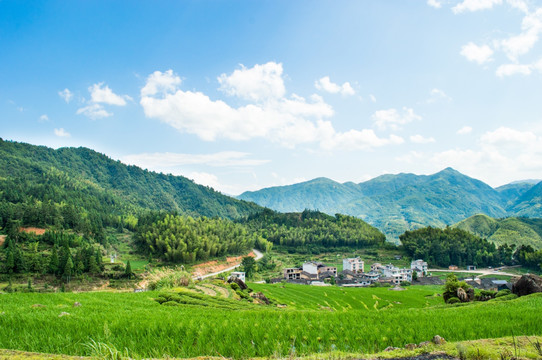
(58, 253)
(527, 256)
(313, 229)
(453, 246)
(183, 239)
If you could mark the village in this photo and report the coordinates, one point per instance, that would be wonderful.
(354, 275)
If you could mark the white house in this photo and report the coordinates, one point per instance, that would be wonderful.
(419, 266)
(239, 275)
(398, 275)
(311, 267)
(353, 264)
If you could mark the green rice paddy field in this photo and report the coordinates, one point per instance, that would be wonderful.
(315, 320)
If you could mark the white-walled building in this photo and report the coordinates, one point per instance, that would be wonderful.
(419, 266)
(239, 275)
(310, 267)
(353, 264)
(397, 274)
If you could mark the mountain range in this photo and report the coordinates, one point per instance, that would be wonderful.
(395, 203)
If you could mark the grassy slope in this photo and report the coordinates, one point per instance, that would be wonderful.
(134, 321)
(517, 231)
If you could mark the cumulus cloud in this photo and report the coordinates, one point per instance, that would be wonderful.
(261, 82)
(475, 53)
(101, 93)
(434, 3)
(94, 111)
(66, 94)
(513, 69)
(44, 118)
(61, 133)
(464, 130)
(475, 5)
(269, 113)
(393, 119)
(419, 139)
(325, 84)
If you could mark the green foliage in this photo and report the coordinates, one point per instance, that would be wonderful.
(80, 189)
(452, 246)
(313, 230)
(183, 239)
(249, 266)
(519, 231)
(451, 286)
(503, 292)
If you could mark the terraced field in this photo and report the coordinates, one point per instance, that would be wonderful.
(315, 321)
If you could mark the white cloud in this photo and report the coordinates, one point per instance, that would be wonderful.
(162, 161)
(475, 53)
(62, 133)
(372, 98)
(502, 155)
(44, 118)
(269, 114)
(101, 93)
(513, 69)
(261, 82)
(464, 130)
(66, 94)
(475, 5)
(161, 83)
(521, 5)
(94, 111)
(204, 178)
(393, 119)
(326, 85)
(434, 3)
(419, 139)
(438, 95)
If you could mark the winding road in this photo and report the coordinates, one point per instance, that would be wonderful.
(258, 254)
(477, 271)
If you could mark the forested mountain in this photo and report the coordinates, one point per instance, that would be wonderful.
(313, 231)
(519, 231)
(78, 188)
(395, 203)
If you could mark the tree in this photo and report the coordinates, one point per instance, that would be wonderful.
(68, 269)
(249, 265)
(54, 263)
(128, 271)
(451, 286)
(93, 266)
(414, 275)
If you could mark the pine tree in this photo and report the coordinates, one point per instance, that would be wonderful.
(128, 271)
(93, 266)
(54, 262)
(68, 269)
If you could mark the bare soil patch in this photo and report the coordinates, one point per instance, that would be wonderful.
(206, 290)
(2, 239)
(210, 267)
(35, 230)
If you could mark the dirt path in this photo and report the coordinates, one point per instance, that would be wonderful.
(213, 268)
(477, 271)
(206, 290)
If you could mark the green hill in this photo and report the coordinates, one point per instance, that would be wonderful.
(80, 188)
(392, 203)
(519, 231)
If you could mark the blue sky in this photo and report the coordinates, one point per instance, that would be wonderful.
(241, 95)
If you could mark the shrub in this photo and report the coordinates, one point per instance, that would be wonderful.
(234, 286)
(503, 293)
(505, 297)
(453, 300)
